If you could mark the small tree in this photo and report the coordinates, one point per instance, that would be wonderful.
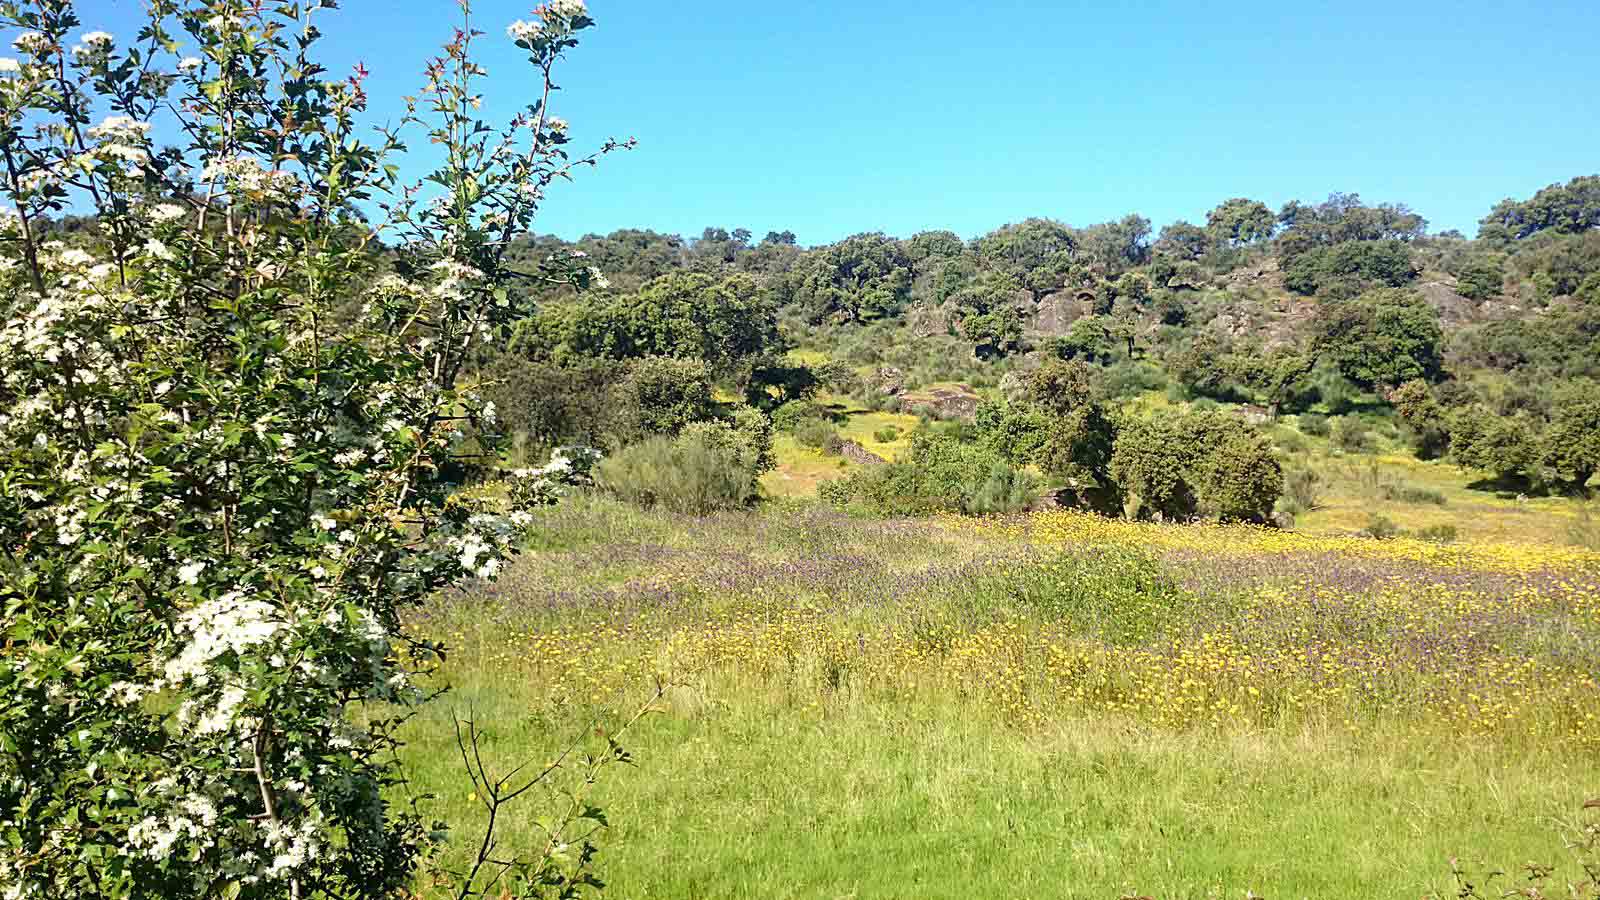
(225, 441)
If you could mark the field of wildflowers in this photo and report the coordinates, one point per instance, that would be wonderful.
(1443, 699)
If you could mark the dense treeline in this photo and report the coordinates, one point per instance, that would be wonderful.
(1334, 306)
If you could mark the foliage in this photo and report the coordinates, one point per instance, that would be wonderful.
(745, 432)
(862, 277)
(1570, 208)
(1424, 420)
(1342, 218)
(818, 434)
(704, 469)
(772, 381)
(790, 416)
(722, 321)
(1569, 443)
(1313, 424)
(226, 439)
(1177, 466)
(1303, 488)
(552, 403)
(1481, 277)
(659, 395)
(1350, 434)
(1380, 528)
(1239, 222)
(1350, 267)
(545, 485)
(1500, 445)
(1384, 337)
(1038, 253)
(938, 473)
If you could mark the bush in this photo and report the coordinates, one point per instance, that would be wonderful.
(1380, 527)
(552, 403)
(209, 658)
(1313, 424)
(1438, 534)
(887, 435)
(659, 395)
(938, 474)
(1401, 492)
(790, 416)
(1303, 488)
(695, 473)
(745, 431)
(1350, 434)
(817, 435)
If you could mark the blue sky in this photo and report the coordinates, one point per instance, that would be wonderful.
(837, 117)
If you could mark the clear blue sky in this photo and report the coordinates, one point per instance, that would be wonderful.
(829, 118)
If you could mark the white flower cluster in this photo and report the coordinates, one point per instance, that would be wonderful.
(245, 173)
(192, 819)
(96, 44)
(9, 66)
(525, 31)
(231, 623)
(189, 64)
(293, 846)
(120, 128)
(31, 42)
(568, 8)
(481, 550)
(545, 485)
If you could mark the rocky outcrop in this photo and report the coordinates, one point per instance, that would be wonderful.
(856, 453)
(956, 402)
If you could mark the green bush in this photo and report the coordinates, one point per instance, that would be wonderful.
(1401, 492)
(1313, 424)
(1380, 527)
(939, 473)
(1438, 534)
(659, 395)
(745, 431)
(695, 472)
(1350, 434)
(887, 435)
(1303, 488)
(818, 435)
(790, 416)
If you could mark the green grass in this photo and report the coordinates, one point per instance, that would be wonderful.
(745, 799)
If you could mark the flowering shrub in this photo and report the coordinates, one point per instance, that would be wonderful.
(568, 467)
(224, 440)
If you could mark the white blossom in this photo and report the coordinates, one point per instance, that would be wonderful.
(31, 42)
(189, 573)
(189, 64)
(524, 31)
(9, 65)
(120, 127)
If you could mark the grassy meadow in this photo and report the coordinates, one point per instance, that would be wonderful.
(1050, 705)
